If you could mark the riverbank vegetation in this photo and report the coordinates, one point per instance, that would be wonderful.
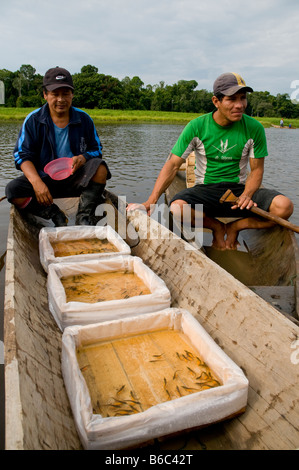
(108, 99)
(110, 116)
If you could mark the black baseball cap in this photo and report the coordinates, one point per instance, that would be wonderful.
(57, 77)
(230, 83)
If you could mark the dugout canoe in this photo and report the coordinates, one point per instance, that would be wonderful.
(267, 260)
(262, 341)
(282, 127)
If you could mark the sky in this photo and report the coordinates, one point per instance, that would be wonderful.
(157, 40)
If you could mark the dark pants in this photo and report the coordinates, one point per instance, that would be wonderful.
(209, 196)
(70, 187)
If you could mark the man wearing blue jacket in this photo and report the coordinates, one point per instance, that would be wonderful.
(55, 130)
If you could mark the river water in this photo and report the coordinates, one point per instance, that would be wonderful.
(135, 154)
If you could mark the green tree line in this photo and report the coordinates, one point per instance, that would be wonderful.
(23, 88)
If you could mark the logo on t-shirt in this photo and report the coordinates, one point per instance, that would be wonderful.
(224, 148)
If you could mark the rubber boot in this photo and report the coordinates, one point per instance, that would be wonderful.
(47, 212)
(89, 200)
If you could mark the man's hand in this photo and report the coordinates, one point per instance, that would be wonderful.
(165, 178)
(42, 193)
(253, 182)
(41, 190)
(78, 161)
(244, 202)
(137, 206)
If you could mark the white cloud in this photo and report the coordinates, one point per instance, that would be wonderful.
(159, 40)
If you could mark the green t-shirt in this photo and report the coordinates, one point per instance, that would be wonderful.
(221, 153)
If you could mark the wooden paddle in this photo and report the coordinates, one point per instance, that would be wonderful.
(229, 196)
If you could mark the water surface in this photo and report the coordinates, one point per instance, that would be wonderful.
(135, 154)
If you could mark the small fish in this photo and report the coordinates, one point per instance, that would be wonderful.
(134, 401)
(204, 386)
(178, 390)
(122, 413)
(116, 405)
(191, 370)
(134, 409)
(120, 402)
(189, 354)
(199, 361)
(213, 383)
(189, 389)
(133, 395)
(120, 390)
(203, 376)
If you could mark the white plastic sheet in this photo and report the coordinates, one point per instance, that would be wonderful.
(81, 313)
(197, 409)
(49, 235)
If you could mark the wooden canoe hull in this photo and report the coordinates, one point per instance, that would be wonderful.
(257, 338)
(282, 127)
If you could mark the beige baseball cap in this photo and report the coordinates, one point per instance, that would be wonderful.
(230, 83)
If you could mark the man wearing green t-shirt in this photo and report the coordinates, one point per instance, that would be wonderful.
(224, 142)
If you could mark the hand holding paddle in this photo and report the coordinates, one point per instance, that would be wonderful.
(229, 196)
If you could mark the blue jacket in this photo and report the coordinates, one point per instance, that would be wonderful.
(36, 141)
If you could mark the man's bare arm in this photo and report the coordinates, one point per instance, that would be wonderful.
(41, 190)
(165, 178)
(253, 183)
(78, 161)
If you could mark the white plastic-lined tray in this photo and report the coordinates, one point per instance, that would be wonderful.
(48, 235)
(82, 313)
(171, 416)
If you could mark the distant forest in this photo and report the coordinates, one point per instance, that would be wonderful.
(23, 89)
